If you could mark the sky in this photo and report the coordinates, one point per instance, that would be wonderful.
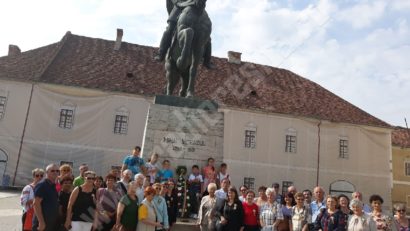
(359, 50)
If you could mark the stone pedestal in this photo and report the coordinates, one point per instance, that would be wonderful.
(184, 131)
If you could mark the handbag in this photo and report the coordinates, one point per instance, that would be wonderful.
(28, 219)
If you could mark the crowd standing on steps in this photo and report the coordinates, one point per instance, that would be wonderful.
(145, 195)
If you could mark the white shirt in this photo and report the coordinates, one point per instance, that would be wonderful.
(151, 167)
(139, 192)
(198, 177)
(222, 176)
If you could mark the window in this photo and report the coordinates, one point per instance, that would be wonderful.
(285, 185)
(290, 144)
(344, 148)
(3, 100)
(66, 118)
(121, 124)
(407, 168)
(249, 182)
(250, 139)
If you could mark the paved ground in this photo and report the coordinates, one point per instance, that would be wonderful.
(10, 211)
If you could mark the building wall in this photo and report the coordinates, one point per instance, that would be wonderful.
(367, 167)
(91, 139)
(401, 182)
(11, 126)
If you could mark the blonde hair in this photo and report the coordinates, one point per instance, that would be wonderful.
(65, 167)
(37, 170)
(211, 186)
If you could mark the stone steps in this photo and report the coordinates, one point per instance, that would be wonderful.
(185, 225)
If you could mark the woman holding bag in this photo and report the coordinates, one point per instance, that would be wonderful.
(127, 210)
(107, 201)
(27, 198)
(81, 204)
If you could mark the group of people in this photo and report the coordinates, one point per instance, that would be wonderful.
(228, 209)
(144, 196)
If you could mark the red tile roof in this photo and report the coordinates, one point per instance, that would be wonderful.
(401, 137)
(93, 63)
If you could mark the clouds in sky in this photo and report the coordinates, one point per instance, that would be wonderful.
(356, 49)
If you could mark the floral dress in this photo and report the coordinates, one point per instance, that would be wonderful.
(383, 222)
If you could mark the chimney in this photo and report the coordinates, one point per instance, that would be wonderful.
(117, 45)
(234, 57)
(14, 50)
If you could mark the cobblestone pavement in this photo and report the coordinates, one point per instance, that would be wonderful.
(10, 211)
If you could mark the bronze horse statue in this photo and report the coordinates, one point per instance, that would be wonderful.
(187, 50)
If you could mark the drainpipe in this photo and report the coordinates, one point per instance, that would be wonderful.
(24, 132)
(318, 153)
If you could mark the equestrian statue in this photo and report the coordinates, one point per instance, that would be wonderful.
(185, 43)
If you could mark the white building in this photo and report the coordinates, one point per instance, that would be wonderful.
(82, 101)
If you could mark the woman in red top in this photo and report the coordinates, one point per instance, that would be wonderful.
(251, 212)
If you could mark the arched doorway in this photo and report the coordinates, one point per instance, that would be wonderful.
(341, 187)
(4, 179)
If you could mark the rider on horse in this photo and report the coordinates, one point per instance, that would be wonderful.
(175, 8)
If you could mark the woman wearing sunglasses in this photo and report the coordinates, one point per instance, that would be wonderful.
(27, 198)
(400, 220)
(82, 205)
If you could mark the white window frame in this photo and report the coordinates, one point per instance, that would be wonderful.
(407, 168)
(291, 133)
(251, 134)
(67, 106)
(343, 148)
(122, 112)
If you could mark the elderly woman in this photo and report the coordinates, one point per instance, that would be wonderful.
(270, 211)
(107, 201)
(232, 212)
(127, 210)
(206, 214)
(146, 213)
(359, 221)
(383, 221)
(27, 198)
(251, 212)
(330, 219)
(300, 216)
(402, 223)
(81, 205)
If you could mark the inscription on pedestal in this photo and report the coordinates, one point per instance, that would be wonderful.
(184, 135)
